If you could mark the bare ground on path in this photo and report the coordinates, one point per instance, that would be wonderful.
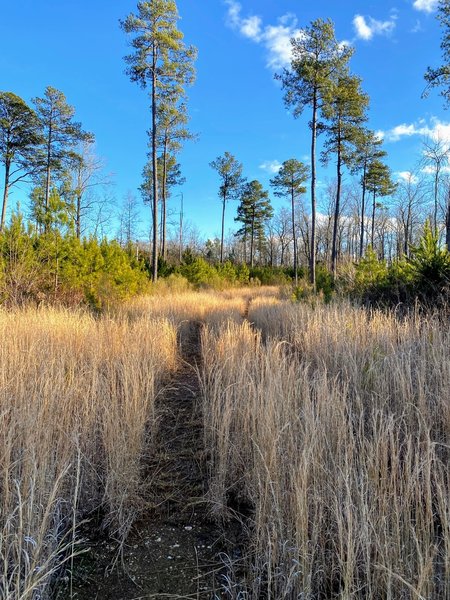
(175, 550)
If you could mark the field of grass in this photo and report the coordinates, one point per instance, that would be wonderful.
(76, 418)
(327, 431)
(333, 425)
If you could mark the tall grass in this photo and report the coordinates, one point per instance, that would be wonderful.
(76, 416)
(77, 422)
(334, 425)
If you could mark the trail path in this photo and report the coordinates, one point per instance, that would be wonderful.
(173, 552)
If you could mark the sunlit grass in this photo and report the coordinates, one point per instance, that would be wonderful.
(336, 430)
(331, 424)
(76, 412)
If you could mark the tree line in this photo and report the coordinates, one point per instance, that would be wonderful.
(44, 144)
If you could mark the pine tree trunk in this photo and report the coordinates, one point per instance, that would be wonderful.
(294, 237)
(252, 239)
(163, 203)
(336, 212)
(155, 174)
(363, 210)
(372, 233)
(5, 195)
(48, 173)
(312, 262)
(224, 201)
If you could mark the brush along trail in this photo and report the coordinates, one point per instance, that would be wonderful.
(174, 550)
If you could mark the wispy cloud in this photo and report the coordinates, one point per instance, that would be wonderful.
(436, 130)
(431, 169)
(407, 177)
(367, 28)
(270, 166)
(428, 6)
(275, 38)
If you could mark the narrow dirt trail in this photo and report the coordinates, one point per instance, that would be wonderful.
(173, 551)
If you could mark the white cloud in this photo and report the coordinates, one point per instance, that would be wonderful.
(426, 5)
(271, 166)
(251, 28)
(363, 31)
(366, 28)
(431, 169)
(275, 38)
(436, 130)
(407, 177)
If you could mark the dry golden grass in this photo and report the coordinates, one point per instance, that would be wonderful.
(77, 420)
(333, 423)
(76, 411)
(336, 428)
(212, 307)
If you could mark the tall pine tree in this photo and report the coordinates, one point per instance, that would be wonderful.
(344, 109)
(289, 183)
(254, 211)
(161, 61)
(19, 136)
(316, 57)
(229, 170)
(367, 149)
(60, 136)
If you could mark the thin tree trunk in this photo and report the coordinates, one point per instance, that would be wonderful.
(252, 239)
(294, 237)
(155, 174)
(312, 262)
(224, 201)
(78, 217)
(78, 205)
(5, 195)
(336, 213)
(407, 230)
(372, 233)
(447, 223)
(181, 228)
(48, 172)
(163, 204)
(363, 210)
(435, 211)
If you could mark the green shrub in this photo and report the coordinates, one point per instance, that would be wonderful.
(324, 282)
(430, 266)
(58, 268)
(200, 273)
(269, 275)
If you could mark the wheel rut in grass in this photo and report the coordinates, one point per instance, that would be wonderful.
(173, 551)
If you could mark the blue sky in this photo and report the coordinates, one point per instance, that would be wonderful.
(235, 104)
